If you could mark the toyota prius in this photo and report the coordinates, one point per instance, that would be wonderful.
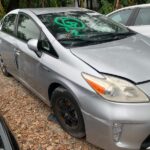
(93, 72)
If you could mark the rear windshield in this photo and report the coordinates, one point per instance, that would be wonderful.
(80, 28)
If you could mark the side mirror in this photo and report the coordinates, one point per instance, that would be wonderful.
(33, 45)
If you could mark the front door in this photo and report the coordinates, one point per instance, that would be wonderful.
(33, 72)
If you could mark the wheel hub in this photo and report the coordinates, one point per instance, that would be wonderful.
(68, 113)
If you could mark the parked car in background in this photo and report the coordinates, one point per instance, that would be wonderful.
(7, 139)
(135, 17)
(94, 72)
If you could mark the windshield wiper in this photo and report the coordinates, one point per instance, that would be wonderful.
(94, 39)
(125, 34)
(101, 36)
(75, 41)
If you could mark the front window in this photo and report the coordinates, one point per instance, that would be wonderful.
(80, 28)
(27, 29)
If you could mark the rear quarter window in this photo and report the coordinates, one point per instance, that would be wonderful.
(8, 24)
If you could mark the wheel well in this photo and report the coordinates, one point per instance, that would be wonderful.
(51, 88)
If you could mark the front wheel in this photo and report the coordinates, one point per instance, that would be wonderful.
(68, 112)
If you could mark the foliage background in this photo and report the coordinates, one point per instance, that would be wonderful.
(110, 5)
(104, 6)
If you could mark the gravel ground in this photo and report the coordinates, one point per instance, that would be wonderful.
(27, 117)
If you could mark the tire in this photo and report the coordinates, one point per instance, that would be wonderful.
(67, 112)
(4, 69)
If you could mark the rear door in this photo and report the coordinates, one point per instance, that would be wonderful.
(8, 43)
(28, 61)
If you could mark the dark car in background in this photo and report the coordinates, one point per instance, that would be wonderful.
(7, 139)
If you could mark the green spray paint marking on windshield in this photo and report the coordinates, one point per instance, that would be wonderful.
(71, 25)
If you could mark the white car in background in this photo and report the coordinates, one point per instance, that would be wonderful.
(136, 17)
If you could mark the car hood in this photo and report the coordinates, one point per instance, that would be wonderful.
(128, 57)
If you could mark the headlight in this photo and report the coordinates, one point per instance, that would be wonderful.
(116, 89)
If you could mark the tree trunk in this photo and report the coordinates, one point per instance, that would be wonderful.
(2, 2)
(116, 4)
(81, 3)
(1, 7)
(13, 4)
(91, 4)
(2, 11)
(76, 3)
(100, 4)
(43, 3)
(63, 3)
(87, 3)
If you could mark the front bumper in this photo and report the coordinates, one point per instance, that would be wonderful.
(100, 133)
(101, 115)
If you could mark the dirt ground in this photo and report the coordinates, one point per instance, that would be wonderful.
(27, 117)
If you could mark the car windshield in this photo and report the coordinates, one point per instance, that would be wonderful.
(80, 28)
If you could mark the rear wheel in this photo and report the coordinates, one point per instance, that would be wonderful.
(4, 69)
(68, 112)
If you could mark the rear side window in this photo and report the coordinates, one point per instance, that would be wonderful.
(27, 29)
(143, 17)
(9, 24)
(121, 16)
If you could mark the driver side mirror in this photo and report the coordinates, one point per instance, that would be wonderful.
(33, 45)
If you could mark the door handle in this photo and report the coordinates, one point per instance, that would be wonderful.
(45, 68)
(18, 53)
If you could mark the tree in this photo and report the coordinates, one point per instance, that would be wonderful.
(105, 6)
(63, 3)
(116, 4)
(2, 11)
(28, 3)
(12, 5)
(91, 4)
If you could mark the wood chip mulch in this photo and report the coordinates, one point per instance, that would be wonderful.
(27, 115)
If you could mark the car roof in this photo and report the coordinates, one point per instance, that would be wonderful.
(130, 7)
(39, 11)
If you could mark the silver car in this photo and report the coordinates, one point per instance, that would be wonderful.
(94, 72)
(136, 17)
